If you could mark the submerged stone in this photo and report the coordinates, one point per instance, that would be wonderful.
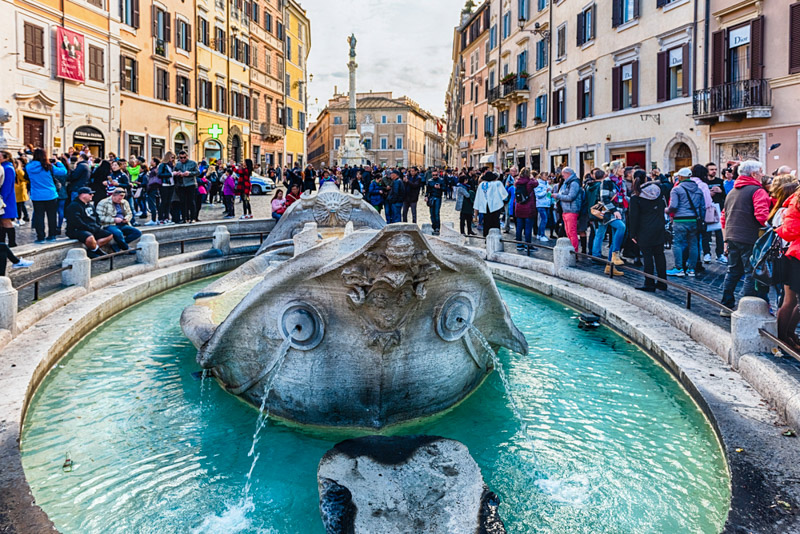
(401, 484)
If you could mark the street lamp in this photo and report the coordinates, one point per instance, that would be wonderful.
(537, 29)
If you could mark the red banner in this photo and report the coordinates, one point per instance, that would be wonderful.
(70, 58)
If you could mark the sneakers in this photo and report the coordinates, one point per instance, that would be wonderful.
(690, 273)
(228, 217)
(51, 238)
(676, 272)
(95, 253)
(22, 264)
(724, 313)
(543, 239)
(151, 223)
(707, 258)
(39, 242)
(723, 260)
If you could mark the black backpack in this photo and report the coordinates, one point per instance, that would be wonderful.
(521, 194)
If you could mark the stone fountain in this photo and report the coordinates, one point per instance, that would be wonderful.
(341, 320)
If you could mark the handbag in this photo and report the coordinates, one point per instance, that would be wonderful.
(700, 221)
(717, 224)
(767, 253)
(599, 211)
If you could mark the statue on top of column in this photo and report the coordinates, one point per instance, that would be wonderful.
(352, 42)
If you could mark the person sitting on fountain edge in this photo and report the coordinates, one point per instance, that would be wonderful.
(115, 214)
(81, 224)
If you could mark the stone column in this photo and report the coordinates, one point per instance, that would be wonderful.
(563, 255)
(81, 272)
(147, 251)
(493, 243)
(752, 314)
(222, 240)
(8, 305)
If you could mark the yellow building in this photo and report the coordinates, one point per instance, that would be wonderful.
(223, 79)
(296, 47)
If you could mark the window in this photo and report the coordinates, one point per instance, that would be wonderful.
(300, 92)
(129, 12)
(289, 117)
(506, 24)
(288, 85)
(301, 120)
(280, 31)
(541, 5)
(34, 44)
(383, 119)
(559, 106)
(267, 21)
(541, 54)
(502, 122)
(182, 90)
(584, 94)
(586, 25)
(162, 85)
(222, 100)
(738, 52)
(183, 35)
(471, 125)
(540, 109)
(256, 11)
(493, 37)
(235, 104)
(384, 143)
(489, 125)
(337, 142)
(202, 31)
(522, 62)
(162, 25)
(299, 56)
(268, 61)
(625, 86)
(288, 48)
(522, 115)
(204, 90)
(96, 64)
(623, 11)
(523, 9)
(794, 38)
(129, 74)
(337, 120)
(367, 143)
(219, 40)
(671, 67)
(561, 42)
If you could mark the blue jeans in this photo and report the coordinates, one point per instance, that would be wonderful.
(435, 207)
(527, 224)
(543, 213)
(617, 235)
(739, 267)
(685, 244)
(61, 203)
(124, 234)
(394, 212)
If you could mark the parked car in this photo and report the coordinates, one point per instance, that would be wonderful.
(261, 184)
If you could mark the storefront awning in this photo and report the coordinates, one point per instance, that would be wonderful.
(488, 158)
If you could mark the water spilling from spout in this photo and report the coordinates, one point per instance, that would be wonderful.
(203, 376)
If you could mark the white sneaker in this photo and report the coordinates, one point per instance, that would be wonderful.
(707, 258)
(151, 223)
(22, 264)
(543, 239)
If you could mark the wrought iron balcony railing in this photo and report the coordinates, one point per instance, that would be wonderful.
(742, 99)
(518, 84)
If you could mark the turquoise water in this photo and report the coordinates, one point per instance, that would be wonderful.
(620, 447)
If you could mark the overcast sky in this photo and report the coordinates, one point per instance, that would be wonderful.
(404, 46)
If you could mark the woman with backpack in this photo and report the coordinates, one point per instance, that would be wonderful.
(525, 212)
(646, 225)
(570, 196)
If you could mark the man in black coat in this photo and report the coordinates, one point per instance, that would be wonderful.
(82, 224)
(413, 184)
(80, 176)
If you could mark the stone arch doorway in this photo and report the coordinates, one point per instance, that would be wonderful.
(181, 142)
(236, 149)
(683, 156)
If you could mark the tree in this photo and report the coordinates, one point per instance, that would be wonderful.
(468, 7)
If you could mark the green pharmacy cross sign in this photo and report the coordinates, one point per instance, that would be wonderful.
(215, 131)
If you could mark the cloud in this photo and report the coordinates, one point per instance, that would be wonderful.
(404, 46)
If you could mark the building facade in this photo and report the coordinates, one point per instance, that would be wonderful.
(266, 83)
(394, 131)
(297, 45)
(750, 85)
(157, 65)
(61, 64)
(474, 125)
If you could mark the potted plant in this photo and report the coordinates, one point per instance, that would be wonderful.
(501, 130)
(523, 74)
(518, 125)
(508, 77)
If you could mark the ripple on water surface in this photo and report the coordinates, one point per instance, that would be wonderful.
(620, 447)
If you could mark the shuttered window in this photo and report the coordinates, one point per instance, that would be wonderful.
(794, 38)
(162, 85)
(34, 44)
(183, 90)
(625, 86)
(757, 49)
(96, 64)
(672, 69)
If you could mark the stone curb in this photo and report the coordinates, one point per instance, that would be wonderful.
(27, 359)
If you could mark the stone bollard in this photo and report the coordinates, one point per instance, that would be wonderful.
(751, 315)
(306, 239)
(563, 255)
(222, 240)
(8, 305)
(493, 243)
(147, 251)
(81, 272)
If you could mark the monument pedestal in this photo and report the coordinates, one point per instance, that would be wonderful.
(352, 152)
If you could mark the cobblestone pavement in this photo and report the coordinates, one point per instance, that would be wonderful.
(708, 283)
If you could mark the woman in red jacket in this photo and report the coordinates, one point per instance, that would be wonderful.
(243, 187)
(789, 314)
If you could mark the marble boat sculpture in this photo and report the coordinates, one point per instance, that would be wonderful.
(341, 320)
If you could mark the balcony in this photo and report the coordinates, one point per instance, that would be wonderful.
(733, 102)
(514, 89)
(269, 132)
